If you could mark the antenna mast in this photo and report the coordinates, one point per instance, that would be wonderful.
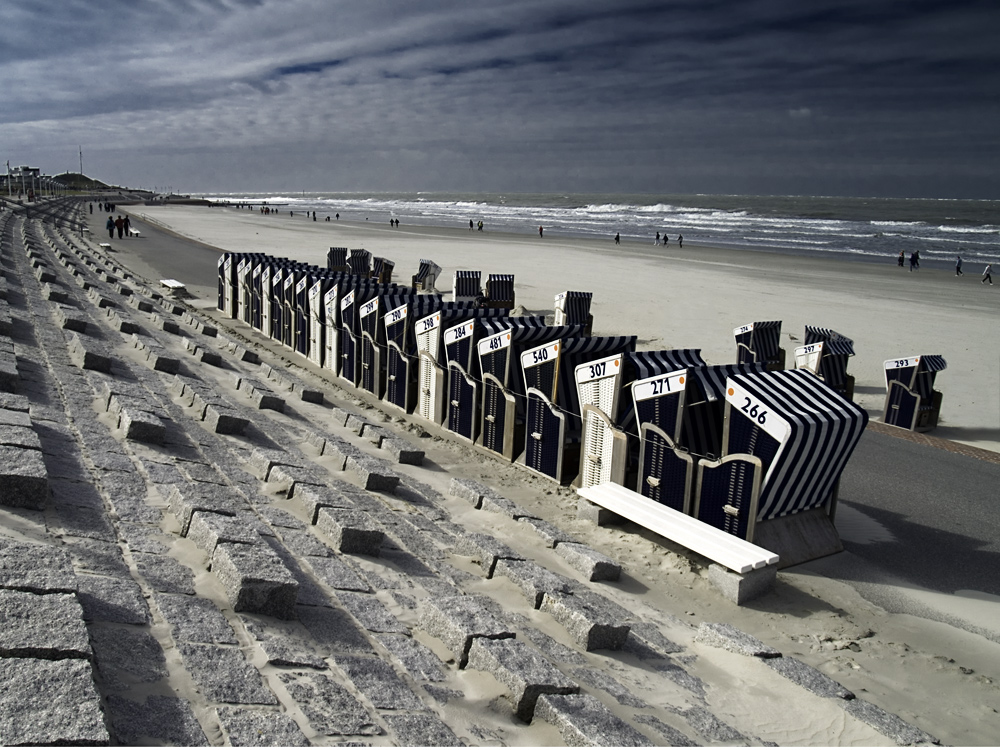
(81, 161)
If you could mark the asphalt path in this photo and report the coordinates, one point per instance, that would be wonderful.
(939, 507)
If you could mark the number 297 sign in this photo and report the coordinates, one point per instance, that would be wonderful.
(756, 411)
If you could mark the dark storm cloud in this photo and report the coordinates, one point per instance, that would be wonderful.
(759, 96)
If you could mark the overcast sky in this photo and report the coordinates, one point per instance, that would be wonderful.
(820, 97)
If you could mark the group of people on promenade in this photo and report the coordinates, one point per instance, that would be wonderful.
(123, 225)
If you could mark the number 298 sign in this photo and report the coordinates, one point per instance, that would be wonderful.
(757, 411)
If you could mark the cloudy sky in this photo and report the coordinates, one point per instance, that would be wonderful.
(820, 97)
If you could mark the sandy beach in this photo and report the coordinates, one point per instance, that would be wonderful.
(690, 297)
(940, 677)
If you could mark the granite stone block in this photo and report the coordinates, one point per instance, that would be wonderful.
(373, 474)
(486, 550)
(593, 621)
(207, 530)
(250, 727)
(594, 565)
(24, 480)
(255, 579)
(724, 635)
(522, 670)
(185, 499)
(351, 532)
(46, 702)
(583, 721)
(224, 420)
(224, 675)
(533, 580)
(39, 568)
(42, 626)
(457, 621)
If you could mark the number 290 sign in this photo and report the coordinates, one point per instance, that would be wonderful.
(756, 411)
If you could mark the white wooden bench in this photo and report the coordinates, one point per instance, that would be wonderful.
(753, 568)
(173, 285)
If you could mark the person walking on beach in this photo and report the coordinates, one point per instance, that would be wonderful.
(680, 240)
(657, 240)
(913, 262)
(900, 259)
(127, 225)
(470, 225)
(988, 274)
(110, 226)
(958, 265)
(540, 229)
(120, 225)
(618, 238)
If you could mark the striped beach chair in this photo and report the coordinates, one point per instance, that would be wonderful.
(336, 259)
(610, 443)
(825, 354)
(680, 416)
(435, 338)
(500, 291)
(402, 354)
(788, 437)
(353, 295)
(360, 262)
(552, 405)
(573, 308)
(910, 400)
(760, 342)
(503, 401)
(466, 287)
(382, 270)
(426, 276)
(321, 286)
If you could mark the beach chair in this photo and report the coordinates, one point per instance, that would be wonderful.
(302, 339)
(466, 287)
(317, 349)
(229, 284)
(360, 262)
(910, 400)
(244, 290)
(256, 292)
(500, 291)
(552, 405)
(825, 355)
(336, 259)
(680, 416)
(573, 308)
(382, 270)
(426, 276)
(503, 391)
(432, 361)
(609, 440)
(401, 357)
(464, 381)
(760, 342)
(787, 438)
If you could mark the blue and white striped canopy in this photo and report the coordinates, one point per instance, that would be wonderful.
(762, 338)
(803, 432)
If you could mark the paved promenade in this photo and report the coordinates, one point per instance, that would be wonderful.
(203, 545)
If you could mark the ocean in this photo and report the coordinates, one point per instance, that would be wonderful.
(862, 229)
